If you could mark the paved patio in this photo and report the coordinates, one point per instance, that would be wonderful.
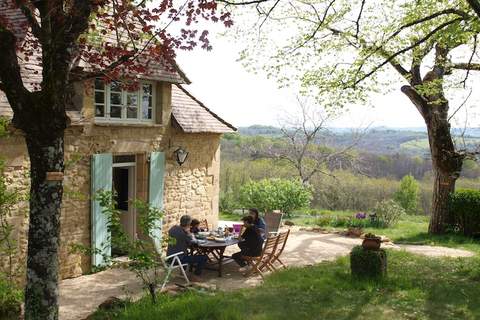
(79, 297)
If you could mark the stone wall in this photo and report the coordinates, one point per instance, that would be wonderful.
(191, 188)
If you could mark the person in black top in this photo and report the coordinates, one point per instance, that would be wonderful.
(195, 226)
(251, 244)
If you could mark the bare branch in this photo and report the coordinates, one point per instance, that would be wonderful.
(243, 3)
(358, 18)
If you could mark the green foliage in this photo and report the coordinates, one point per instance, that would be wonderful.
(228, 202)
(4, 127)
(407, 195)
(368, 263)
(275, 194)
(464, 206)
(144, 258)
(388, 212)
(11, 300)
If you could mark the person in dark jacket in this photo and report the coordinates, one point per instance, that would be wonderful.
(195, 226)
(251, 244)
(258, 222)
(181, 241)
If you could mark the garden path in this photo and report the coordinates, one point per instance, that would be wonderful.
(80, 296)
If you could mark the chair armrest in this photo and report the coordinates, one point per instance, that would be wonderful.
(174, 255)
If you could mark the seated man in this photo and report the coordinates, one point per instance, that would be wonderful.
(252, 243)
(181, 239)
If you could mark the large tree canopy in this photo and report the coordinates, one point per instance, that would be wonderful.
(344, 51)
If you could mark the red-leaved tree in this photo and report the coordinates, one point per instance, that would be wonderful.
(62, 42)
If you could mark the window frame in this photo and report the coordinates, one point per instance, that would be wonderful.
(123, 119)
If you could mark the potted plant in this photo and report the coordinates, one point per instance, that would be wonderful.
(371, 242)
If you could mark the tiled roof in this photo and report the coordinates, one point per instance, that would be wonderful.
(193, 116)
(32, 73)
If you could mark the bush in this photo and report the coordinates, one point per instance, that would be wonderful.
(323, 221)
(227, 202)
(10, 300)
(368, 263)
(387, 213)
(464, 206)
(408, 194)
(275, 194)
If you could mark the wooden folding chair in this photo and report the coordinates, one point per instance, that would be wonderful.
(273, 221)
(282, 241)
(262, 262)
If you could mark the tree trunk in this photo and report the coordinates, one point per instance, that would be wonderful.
(41, 292)
(443, 185)
(447, 165)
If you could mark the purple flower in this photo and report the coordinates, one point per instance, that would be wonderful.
(360, 215)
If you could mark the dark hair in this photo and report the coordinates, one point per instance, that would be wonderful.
(195, 222)
(248, 219)
(185, 221)
(255, 212)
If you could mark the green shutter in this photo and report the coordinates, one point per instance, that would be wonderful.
(155, 194)
(101, 180)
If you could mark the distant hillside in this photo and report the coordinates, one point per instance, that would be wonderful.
(380, 140)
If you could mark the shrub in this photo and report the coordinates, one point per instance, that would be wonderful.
(387, 213)
(464, 206)
(228, 203)
(275, 194)
(358, 223)
(323, 221)
(368, 263)
(408, 194)
(338, 221)
(10, 300)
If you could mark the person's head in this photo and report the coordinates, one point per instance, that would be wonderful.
(253, 212)
(194, 223)
(247, 221)
(185, 221)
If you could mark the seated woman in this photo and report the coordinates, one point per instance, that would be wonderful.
(195, 226)
(258, 222)
(251, 246)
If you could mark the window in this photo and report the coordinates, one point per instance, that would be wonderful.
(112, 102)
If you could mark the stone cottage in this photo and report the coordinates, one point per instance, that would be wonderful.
(133, 142)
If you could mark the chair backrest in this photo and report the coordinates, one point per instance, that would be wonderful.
(204, 225)
(273, 221)
(270, 246)
(282, 241)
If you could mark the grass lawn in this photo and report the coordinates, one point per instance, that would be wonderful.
(416, 288)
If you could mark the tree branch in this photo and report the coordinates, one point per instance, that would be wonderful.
(466, 66)
(475, 4)
(32, 21)
(415, 44)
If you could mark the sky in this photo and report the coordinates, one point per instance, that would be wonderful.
(243, 98)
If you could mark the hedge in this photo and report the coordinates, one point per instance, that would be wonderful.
(464, 207)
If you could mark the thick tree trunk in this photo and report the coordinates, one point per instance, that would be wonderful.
(446, 161)
(447, 164)
(41, 292)
(443, 185)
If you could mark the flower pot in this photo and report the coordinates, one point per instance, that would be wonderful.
(371, 243)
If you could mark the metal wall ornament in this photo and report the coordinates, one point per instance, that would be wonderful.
(180, 155)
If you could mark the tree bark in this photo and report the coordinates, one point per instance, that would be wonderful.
(446, 161)
(41, 292)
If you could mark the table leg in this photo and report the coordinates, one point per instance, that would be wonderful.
(220, 261)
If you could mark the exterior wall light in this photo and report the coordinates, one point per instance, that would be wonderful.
(180, 155)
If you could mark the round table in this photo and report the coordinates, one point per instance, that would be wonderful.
(215, 249)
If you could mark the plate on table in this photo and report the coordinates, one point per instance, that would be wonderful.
(218, 239)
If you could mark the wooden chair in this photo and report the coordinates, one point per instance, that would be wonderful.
(262, 262)
(282, 241)
(273, 221)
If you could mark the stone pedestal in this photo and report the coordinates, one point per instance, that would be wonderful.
(366, 263)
